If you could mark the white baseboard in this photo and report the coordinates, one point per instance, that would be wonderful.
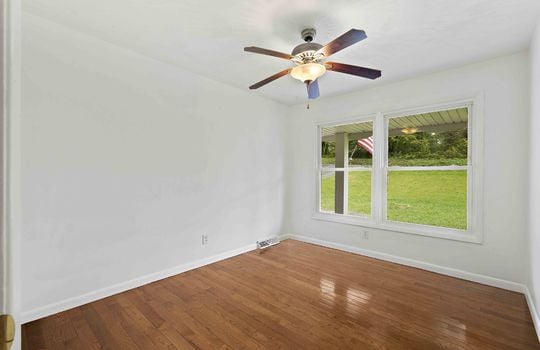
(70, 303)
(448, 271)
(534, 314)
(469, 276)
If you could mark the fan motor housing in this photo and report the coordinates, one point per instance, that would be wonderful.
(305, 47)
(307, 52)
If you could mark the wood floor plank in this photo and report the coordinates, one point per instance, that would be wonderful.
(295, 296)
(140, 330)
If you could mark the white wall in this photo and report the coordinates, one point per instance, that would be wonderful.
(534, 177)
(504, 85)
(127, 161)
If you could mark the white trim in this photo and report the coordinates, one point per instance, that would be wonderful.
(475, 180)
(358, 220)
(383, 191)
(398, 227)
(534, 314)
(399, 168)
(12, 161)
(443, 270)
(435, 107)
(378, 200)
(3, 150)
(430, 231)
(369, 117)
(349, 169)
(428, 168)
(70, 303)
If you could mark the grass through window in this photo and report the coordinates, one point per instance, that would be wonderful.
(436, 198)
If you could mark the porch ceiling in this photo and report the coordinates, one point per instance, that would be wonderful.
(437, 121)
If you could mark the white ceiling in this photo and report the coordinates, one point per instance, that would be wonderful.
(405, 37)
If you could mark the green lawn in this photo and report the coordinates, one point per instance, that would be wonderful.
(431, 197)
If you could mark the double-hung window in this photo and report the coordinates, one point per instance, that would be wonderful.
(411, 171)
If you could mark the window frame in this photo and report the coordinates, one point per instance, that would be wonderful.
(378, 219)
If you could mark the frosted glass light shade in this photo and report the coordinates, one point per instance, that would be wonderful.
(308, 71)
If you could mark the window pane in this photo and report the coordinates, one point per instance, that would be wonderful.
(436, 198)
(427, 177)
(358, 154)
(328, 182)
(328, 154)
(347, 146)
(360, 193)
(428, 139)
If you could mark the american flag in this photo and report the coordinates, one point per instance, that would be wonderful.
(366, 144)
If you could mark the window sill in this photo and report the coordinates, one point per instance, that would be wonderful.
(422, 230)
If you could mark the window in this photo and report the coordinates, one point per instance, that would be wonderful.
(409, 171)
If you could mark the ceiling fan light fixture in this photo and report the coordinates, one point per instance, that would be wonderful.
(308, 71)
(308, 58)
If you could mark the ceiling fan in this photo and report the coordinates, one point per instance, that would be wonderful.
(309, 59)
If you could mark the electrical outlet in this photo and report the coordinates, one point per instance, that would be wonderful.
(204, 239)
(365, 235)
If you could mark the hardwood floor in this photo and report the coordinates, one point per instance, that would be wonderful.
(295, 296)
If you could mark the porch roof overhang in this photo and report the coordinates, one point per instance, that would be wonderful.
(439, 121)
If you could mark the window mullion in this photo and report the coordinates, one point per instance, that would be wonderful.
(377, 191)
(341, 178)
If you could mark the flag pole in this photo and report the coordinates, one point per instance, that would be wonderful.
(354, 150)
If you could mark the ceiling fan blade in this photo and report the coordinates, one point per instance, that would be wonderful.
(351, 37)
(313, 89)
(270, 79)
(262, 51)
(353, 70)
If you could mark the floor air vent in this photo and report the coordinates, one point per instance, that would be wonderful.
(267, 243)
